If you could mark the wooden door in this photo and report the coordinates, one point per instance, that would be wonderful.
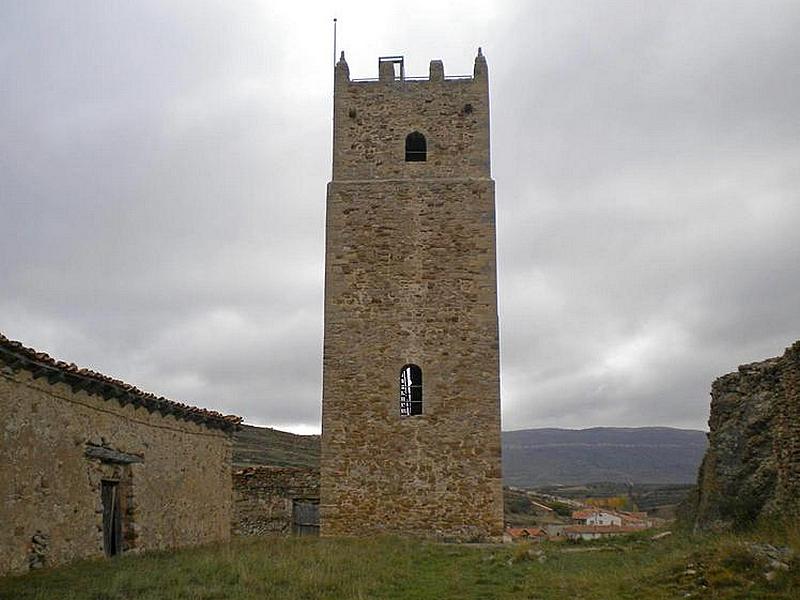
(305, 517)
(112, 518)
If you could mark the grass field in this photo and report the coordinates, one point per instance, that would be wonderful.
(679, 566)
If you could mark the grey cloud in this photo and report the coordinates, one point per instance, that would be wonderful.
(163, 170)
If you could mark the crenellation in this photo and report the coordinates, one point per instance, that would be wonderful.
(386, 72)
(436, 71)
(372, 117)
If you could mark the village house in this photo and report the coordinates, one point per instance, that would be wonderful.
(596, 516)
(555, 531)
(532, 534)
(594, 523)
(637, 520)
(92, 466)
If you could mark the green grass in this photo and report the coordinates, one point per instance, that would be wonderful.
(310, 568)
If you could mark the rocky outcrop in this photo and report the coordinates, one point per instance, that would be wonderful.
(752, 467)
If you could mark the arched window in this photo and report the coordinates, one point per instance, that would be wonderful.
(416, 147)
(410, 390)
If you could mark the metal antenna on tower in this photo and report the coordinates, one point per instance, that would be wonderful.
(334, 80)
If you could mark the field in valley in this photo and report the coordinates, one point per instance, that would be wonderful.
(637, 567)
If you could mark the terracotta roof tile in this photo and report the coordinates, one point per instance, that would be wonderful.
(16, 356)
(521, 532)
(584, 514)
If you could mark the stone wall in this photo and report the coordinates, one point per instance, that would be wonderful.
(752, 466)
(411, 279)
(372, 119)
(263, 497)
(59, 442)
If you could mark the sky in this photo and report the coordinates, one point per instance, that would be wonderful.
(162, 193)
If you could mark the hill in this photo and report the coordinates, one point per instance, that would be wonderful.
(266, 446)
(531, 457)
(538, 457)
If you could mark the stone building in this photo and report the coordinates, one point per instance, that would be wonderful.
(276, 500)
(90, 465)
(411, 401)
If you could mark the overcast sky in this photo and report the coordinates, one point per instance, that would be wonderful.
(162, 193)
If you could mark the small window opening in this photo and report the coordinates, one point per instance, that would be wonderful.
(416, 147)
(410, 390)
(112, 518)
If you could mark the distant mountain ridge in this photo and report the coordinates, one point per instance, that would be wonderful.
(534, 457)
(531, 457)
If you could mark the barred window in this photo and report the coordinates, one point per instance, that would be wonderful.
(410, 390)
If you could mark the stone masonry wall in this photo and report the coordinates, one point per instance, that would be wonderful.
(372, 119)
(787, 447)
(411, 278)
(263, 496)
(752, 466)
(50, 500)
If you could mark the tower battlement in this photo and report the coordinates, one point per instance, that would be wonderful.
(391, 69)
(372, 118)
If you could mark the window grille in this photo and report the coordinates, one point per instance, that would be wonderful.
(410, 391)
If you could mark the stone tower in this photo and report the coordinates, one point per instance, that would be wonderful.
(411, 398)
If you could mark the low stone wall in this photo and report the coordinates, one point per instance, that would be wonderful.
(263, 498)
(752, 466)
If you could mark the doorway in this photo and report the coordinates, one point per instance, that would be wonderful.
(305, 516)
(112, 518)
